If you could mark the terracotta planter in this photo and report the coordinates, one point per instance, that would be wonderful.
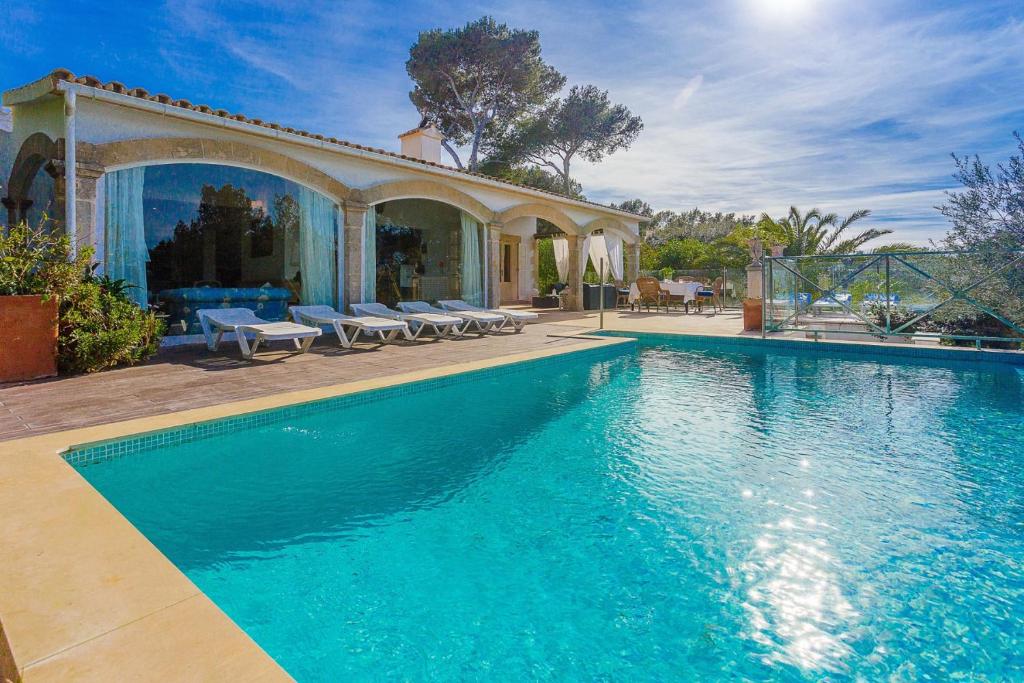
(752, 315)
(28, 338)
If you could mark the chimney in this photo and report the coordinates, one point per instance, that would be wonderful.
(422, 143)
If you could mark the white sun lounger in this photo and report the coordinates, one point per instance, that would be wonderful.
(242, 321)
(347, 327)
(518, 319)
(484, 322)
(442, 325)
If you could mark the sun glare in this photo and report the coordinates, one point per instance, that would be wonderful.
(782, 10)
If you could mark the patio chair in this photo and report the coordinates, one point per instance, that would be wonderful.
(517, 319)
(483, 321)
(347, 327)
(442, 325)
(621, 295)
(242, 321)
(713, 294)
(651, 293)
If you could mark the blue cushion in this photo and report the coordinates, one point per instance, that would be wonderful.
(269, 303)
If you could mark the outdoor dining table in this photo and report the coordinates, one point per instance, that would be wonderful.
(687, 290)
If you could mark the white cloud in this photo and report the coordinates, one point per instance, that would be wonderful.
(837, 105)
(687, 92)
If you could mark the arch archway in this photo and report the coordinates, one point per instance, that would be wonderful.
(534, 210)
(424, 189)
(112, 156)
(612, 225)
(37, 152)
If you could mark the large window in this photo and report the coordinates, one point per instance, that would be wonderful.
(219, 236)
(426, 250)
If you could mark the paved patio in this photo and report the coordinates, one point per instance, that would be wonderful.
(190, 377)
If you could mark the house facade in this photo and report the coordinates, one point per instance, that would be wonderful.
(194, 206)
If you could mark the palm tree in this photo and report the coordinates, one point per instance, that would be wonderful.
(815, 233)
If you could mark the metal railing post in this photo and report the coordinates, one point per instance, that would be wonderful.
(888, 299)
(765, 263)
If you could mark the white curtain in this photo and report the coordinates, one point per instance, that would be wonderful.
(124, 231)
(584, 254)
(471, 272)
(561, 258)
(370, 256)
(599, 252)
(613, 247)
(318, 217)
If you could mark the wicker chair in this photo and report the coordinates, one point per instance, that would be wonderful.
(651, 293)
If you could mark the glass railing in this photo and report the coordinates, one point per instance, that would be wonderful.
(961, 298)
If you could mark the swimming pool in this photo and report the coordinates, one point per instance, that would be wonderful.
(671, 509)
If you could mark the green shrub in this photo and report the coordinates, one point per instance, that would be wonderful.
(101, 328)
(38, 261)
(98, 326)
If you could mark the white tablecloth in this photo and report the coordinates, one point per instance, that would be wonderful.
(687, 290)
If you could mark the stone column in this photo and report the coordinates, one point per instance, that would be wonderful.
(86, 178)
(17, 209)
(493, 284)
(632, 269)
(535, 266)
(355, 215)
(574, 292)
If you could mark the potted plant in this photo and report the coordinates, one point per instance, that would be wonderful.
(34, 267)
(56, 315)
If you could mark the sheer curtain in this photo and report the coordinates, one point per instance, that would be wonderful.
(599, 252)
(561, 246)
(124, 231)
(472, 275)
(317, 230)
(613, 247)
(370, 255)
(584, 254)
(609, 248)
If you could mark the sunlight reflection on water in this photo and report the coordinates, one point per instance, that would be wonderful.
(795, 601)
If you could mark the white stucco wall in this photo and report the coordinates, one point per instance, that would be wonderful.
(100, 122)
(525, 228)
(45, 115)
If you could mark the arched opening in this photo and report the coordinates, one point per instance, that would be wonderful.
(424, 250)
(41, 196)
(32, 189)
(188, 236)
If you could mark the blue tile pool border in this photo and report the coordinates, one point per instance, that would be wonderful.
(826, 348)
(89, 453)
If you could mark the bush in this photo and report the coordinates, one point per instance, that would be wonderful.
(98, 326)
(37, 261)
(101, 328)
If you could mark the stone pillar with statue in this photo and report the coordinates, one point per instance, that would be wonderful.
(752, 305)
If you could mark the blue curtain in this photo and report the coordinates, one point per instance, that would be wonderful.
(472, 277)
(318, 221)
(370, 256)
(125, 249)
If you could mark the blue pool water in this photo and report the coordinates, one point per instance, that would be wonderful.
(666, 512)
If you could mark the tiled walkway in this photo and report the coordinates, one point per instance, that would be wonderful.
(190, 377)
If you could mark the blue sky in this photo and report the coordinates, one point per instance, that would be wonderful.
(749, 105)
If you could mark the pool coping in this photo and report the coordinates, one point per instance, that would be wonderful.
(880, 350)
(82, 586)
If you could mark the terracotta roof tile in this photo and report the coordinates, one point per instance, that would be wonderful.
(142, 93)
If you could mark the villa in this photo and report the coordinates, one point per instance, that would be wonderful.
(832, 493)
(296, 216)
